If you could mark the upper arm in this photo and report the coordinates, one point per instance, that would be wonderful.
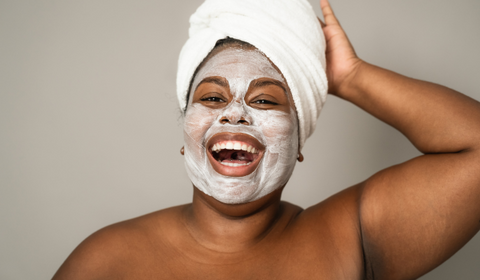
(417, 214)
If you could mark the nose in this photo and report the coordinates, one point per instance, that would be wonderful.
(235, 114)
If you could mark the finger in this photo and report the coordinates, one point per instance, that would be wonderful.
(328, 14)
(321, 22)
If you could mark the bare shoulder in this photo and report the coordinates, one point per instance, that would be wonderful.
(117, 248)
(340, 209)
(332, 229)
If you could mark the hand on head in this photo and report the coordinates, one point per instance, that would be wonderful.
(342, 61)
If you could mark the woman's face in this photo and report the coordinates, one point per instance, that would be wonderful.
(241, 128)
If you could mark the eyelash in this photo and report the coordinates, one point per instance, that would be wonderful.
(264, 101)
(218, 99)
(213, 99)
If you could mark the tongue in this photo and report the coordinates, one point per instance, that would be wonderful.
(235, 156)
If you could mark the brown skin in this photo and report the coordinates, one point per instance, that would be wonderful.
(399, 224)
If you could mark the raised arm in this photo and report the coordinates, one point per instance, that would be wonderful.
(415, 215)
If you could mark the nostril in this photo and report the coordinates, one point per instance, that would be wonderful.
(224, 120)
(243, 121)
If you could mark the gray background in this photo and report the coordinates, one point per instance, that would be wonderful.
(90, 131)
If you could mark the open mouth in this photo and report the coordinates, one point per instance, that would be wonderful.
(234, 154)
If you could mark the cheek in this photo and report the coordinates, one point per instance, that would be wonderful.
(198, 120)
(278, 127)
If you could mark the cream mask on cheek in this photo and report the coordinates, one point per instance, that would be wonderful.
(254, 152)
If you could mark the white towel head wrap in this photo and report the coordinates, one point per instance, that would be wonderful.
(286, 31)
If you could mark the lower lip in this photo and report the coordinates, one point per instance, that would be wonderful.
(234, 171)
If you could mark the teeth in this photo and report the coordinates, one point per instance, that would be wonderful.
(234, 164)
(234, 146)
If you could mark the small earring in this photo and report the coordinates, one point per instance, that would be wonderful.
(300, 157)
(182, 151)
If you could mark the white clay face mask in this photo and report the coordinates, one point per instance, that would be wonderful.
(238, 153)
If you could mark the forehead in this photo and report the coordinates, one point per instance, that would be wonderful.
(239, 63)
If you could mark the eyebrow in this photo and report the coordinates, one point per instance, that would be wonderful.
(215, 80)
(263, 83)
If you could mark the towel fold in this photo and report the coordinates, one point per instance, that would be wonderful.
(286, 31)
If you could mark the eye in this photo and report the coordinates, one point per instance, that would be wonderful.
(212, 99)
(264, 101)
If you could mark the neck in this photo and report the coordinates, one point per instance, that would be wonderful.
(231, 227)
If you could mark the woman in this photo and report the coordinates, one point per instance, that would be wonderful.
(243, 122)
